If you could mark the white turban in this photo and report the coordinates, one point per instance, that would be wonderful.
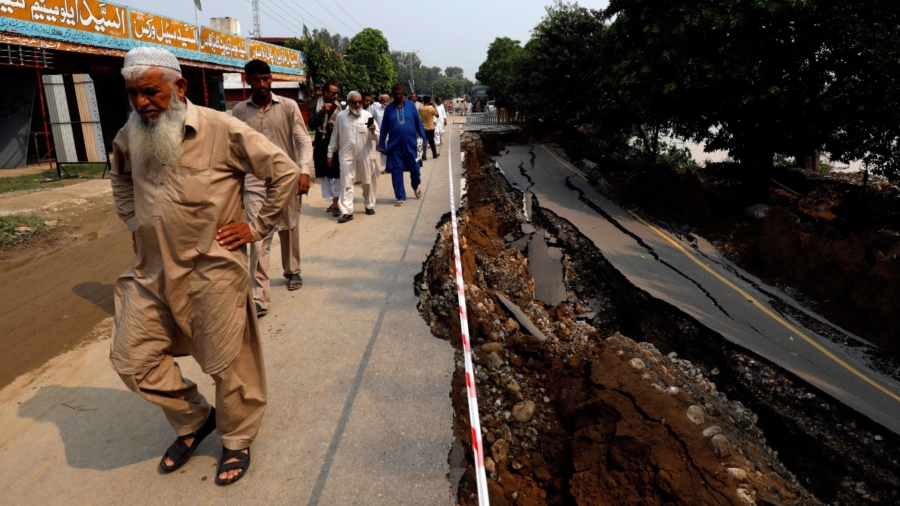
(151, 57)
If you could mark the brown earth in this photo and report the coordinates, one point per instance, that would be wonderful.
(833, 244)
(604, 429)
(56, 288)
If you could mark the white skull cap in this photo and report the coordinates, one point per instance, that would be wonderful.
(152, 57)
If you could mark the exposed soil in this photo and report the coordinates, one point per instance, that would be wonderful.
(57, 287)
(684, 417)
(834, 239)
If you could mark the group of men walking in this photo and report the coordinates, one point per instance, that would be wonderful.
(203, 194)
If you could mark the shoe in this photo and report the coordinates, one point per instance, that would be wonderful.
(437, 155)
(370, 212)
(345, 218)
(260, 311)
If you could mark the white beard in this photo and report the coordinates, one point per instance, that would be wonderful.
(355, 112)
(158, 142)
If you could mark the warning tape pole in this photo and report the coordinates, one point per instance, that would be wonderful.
(474, 419)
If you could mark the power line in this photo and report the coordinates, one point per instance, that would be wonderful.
(274, 18)
(348, 14)
(335, 17)
(321, 24)
(287, 12)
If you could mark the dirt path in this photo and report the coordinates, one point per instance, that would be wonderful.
(56, 289)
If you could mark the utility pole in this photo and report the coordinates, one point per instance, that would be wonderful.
(255, 6)
(412, 79)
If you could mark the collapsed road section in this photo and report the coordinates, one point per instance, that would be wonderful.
(612, 395)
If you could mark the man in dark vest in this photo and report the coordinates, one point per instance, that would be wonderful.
(322, 120)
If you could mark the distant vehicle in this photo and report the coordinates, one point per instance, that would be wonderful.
(490, 106)
(480, 93)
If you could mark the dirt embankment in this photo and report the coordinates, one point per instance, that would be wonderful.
(591, 417)
(818, 235)
(57, 287)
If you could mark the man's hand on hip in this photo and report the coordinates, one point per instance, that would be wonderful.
(303, 185)
(234, 235)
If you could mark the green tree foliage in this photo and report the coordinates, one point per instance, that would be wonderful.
(334, 42)
(555, 76)
(451, 87)
(763, 77)
(456, 72)
(324, 64)
(407, 67)
(498, 68)
(369, 50)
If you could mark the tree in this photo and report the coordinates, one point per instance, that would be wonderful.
(456, 72)
(324, 64)
(334, 42)
(369, 50)
(407, 66)
(450, 87)
(763, 77)
(497, 69)
(555, 76)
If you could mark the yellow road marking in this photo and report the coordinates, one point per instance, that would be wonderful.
(766, 310)
(566, 165)
(747, 296)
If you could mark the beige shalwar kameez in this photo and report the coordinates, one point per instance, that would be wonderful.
(351, 141)
(185, 294)
(282, 123)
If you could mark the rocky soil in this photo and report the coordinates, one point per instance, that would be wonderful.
(590, 416)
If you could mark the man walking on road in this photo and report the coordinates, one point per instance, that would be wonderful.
(399, 129)
(353, 140)
(280, 121)
(441, 121)
(429, 115)
(176, 178)
(327, 109)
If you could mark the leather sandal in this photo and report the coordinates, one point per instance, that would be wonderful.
(243, 463)
(295, 282)
(180, 452)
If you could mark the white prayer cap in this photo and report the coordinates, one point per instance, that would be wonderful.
(152, 57)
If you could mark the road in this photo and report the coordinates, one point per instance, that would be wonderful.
(359, 389)
(718, 297)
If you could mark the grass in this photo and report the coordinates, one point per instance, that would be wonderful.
(8, 224)
(36, 181)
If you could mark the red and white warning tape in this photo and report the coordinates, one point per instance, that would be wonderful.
(467, 347)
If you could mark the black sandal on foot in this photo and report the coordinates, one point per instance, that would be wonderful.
(243, 463)
(295, 282)
(180, 452)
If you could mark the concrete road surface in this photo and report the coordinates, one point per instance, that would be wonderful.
(659, 264)
(359, 390)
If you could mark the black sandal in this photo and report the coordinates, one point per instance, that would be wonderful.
(295, 282)
(180, 452)
(243, 463)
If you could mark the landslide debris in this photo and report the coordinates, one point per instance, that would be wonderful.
(589, 417)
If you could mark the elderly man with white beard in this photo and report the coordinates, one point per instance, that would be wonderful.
(352, 140)
(176, 179)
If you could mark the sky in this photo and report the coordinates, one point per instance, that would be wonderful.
(446, 34)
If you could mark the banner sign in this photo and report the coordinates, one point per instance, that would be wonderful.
(159, 30)
(274, 55)
(222, 44)
(92, 26)
(83, 15)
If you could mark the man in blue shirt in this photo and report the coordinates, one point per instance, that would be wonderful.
(399, 128)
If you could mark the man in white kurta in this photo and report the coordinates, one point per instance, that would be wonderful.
(441, 120)
(377, 111)
(351, 140)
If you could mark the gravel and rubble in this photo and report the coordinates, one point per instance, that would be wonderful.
(676, 416)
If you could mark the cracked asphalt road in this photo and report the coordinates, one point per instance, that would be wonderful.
(725, 300)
